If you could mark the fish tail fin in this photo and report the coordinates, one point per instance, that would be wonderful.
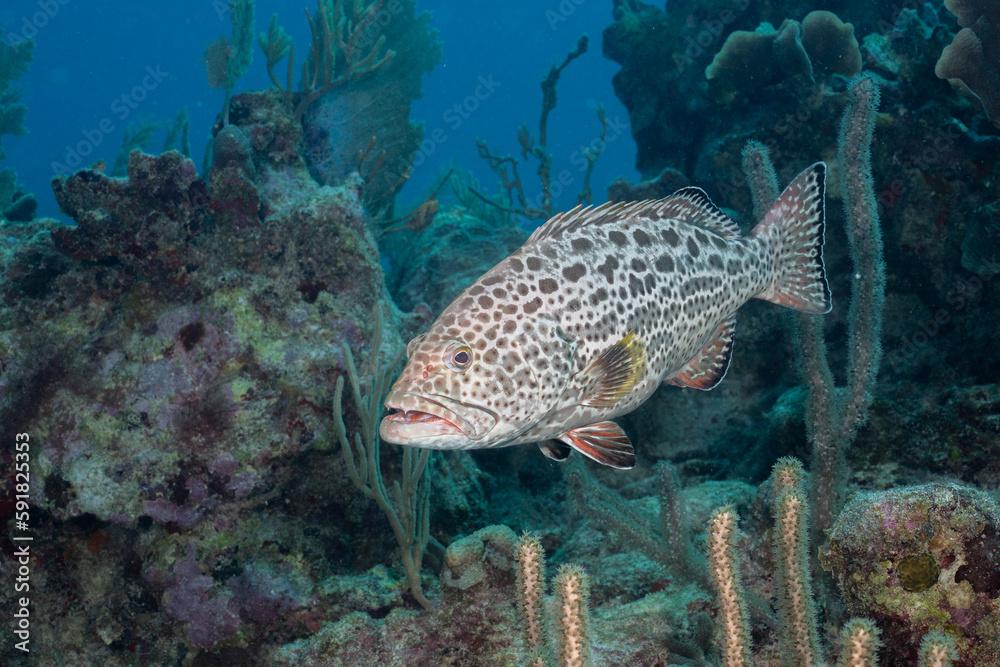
(793, 231)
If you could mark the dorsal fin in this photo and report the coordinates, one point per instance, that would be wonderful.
(706, 370)
(689, 205)
(581, 215)
(692, 205)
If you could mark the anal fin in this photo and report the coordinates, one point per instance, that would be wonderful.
(604, 442)
(707, 368)
(555, 450)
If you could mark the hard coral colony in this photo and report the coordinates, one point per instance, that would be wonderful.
(202, 367)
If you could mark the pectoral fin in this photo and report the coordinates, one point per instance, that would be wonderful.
(604, 442)
(610, 377)
(707, 368)
(555, 450)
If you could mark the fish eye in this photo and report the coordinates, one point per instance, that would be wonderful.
(458, 357)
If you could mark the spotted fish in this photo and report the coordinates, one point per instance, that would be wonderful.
(597, 309)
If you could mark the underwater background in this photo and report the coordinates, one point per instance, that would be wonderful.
(222, 221)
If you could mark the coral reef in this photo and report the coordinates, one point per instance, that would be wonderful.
(363, 124)
(750, 62)
(970, 60)
(922, 558)
(201, 357)
(181, 357)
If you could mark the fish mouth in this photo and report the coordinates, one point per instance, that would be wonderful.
(433, 421)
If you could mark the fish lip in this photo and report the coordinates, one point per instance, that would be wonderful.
(447, 411)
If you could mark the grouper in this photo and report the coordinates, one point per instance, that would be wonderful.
(598, 308)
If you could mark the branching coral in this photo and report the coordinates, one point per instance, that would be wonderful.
(723, 564)
(937, 650)
(797, 632)
(570, 631)
(226, 60)
(572, 591)
(406, 504)
(530, 595)
(797, 612)
(834, 416)
(859, 644)
(14, 59)
(506, 167)
(666, 539)
(345, 47)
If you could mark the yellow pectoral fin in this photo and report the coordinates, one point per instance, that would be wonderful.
(610, 377)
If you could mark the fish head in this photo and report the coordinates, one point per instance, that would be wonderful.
(475, 380)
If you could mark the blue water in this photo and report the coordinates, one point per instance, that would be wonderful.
(109, 63)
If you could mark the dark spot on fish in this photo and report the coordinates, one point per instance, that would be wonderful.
(715, 262)
(492, 280)
(693, 248)
(581, 244)
(534, 263)
(670, 237)
(641, 238)
(598, 295)
(607, 269)
(476, 290)
(499, 292)
(733, 267)
(700, 235)
(635, 285)
(485, 301)
(719, 242)
(638, 265)
(617, 238)
(516, 264)
(533, 305)
(649, 281)
(522, 289)
(548, 285)
(509, 326)
(665, 263)
(549, 252)
(574, 272)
